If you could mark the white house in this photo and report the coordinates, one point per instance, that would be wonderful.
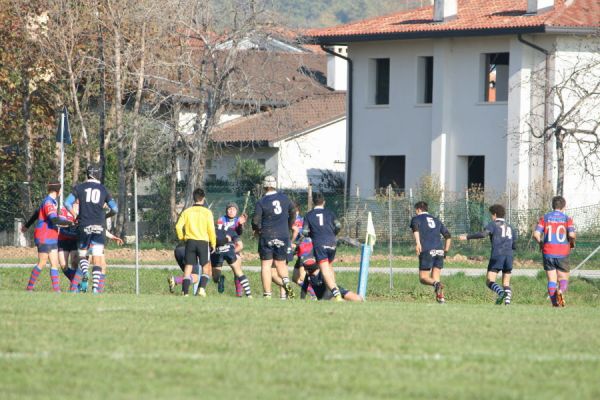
(453, 89)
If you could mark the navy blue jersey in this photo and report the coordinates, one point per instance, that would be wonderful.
(222, 233)
(320, 222)
(502, 236)
(92, 196)
(274, 216)
(430, 231)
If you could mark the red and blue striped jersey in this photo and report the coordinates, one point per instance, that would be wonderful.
(69, 233)
(556, 226)
(225, 223)
(45, 231)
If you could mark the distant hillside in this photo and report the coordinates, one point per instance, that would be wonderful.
(319, 13)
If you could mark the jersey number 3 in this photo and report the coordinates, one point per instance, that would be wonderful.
(92, 195)
(277, 207)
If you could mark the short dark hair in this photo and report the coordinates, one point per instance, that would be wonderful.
(199, 195)
(319, 199)
(558, 203)
(53, 187)
(498, 210)
(421, 205)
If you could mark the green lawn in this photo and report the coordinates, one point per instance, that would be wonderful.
(399, 344)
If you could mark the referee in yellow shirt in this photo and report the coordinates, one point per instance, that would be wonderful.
(196, 226)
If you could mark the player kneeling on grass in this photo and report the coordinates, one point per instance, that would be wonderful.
(321, 225)
(196, 227)
(230, 221)
(427, 230)
(555, 233)
(46, 237)
(503, 239)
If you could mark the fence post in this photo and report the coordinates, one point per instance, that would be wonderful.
(509, 205)
(309, 203)
(468, 224)
(19, 238)
(137, 240)
(390, 235)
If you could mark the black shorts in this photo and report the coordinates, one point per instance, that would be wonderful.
(559, 264)
(67, 245)
(196, 251)
(431, 259)
(91, 235)
(501, 263)
(324, 253)
(180, 258)
(225, 253)
(46, 248)
(273, 249)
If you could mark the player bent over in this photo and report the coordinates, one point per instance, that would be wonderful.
(46, 238)
(273, 218)
(504, 241)
(555, 233)
(196, 227)
(427, 230)
(321, 225)
(226, 252)
(91, 196)
(226, 222)
(179, 254)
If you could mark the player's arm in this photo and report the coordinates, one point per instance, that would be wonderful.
(337, 225)
(112, 205)
(414, 225)
(291, 215)
(257, 219)
(210, 228)
(572, 235)
(538, 233)
(180, 224)
(305, 227)
(56, 219)
(115, 238)
(515, 237)
(447, 238)
(71, 199)
(30, 221)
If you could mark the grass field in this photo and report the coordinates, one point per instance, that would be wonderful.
(399, 344)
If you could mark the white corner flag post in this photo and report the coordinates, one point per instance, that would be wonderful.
(63, 136)
(137, 241)
(365, 257)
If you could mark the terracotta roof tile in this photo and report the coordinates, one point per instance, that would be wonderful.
(280, 123)
(473, 15)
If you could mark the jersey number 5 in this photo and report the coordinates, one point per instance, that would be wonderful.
(277, 207)
(92, 195)
(430, 222)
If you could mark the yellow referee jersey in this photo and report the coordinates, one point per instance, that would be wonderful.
(196, 223)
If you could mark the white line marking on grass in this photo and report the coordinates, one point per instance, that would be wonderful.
(436, 357)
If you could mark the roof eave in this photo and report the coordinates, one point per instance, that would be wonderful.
(345, 39)
(572, 30)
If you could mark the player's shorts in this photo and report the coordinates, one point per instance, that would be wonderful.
(559, 264)
(91, 240)
(431, 259)
(273, 249)
(67, 245)
(501, 263)
(46, 247)
(225, 253)
(180, 258)
(196, 251)
(324, 253)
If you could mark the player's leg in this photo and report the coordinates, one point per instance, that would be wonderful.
(236, 266)
(218, 277)
(552, 276)
(266, 262)
(562, 275)
(438, 286)
(324, 259)
(98, 264)
(54, 269)
(506, 286)
(190, 260)
(280, 255)
(428, 275)
(490, 282)
(203, 254)
(77, 274)
(350, 296)
(37, 269)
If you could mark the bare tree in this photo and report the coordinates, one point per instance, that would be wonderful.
(567, 116)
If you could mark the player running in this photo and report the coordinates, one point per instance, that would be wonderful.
(46, 238)
(227, 222)
(273, 218)
(427, 230)
(173, 281)
(322, 226)
(197, 228)
(91, 196)
(504, 241)
(555, 233)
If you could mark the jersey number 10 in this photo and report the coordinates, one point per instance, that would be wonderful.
(92, 195)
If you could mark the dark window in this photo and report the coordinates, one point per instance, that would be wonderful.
(390, 170)
(476, 172)
(496, 77)
(262, 161)
(425, 80)
(208, 163)
(211, 178)
(382, 81)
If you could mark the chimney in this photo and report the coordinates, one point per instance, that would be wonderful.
(444, 10)
(538, 6)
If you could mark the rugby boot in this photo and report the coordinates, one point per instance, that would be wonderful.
(288, 290)
(560, 299)
(439, 293)
(501, 299)
(221, 284)
(83, 286)
(171, 281)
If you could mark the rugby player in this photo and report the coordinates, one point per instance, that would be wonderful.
(504, 241)
(67, 248)
(46, 237)
(427, 230)
(91, 196)
(299, 272)
(322, 226)
(273, 218)
(229, 222)
(179, 254)
(196, 227)
(226, 251)
(555, 233)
